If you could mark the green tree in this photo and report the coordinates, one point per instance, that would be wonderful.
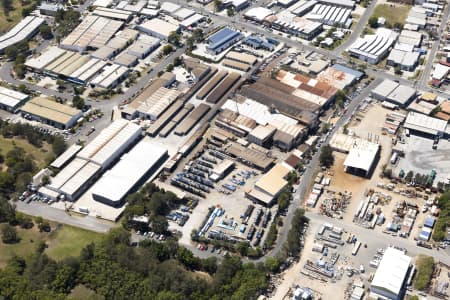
(425, 267)
(174, 38)
(217, 5)
(272, 264)
(9, 234)
(59, 145)
(46, 32)
(326, 156)
(373, 22)
(177, 61)
(78, 102)
(166, 50)
(230, 11)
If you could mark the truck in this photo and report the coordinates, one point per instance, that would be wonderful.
(356, 248)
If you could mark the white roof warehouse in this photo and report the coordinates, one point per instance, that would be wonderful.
(24, 30)
(11, 100)
(424, 124)
(132, 169)
(361, 158)
(391, 274)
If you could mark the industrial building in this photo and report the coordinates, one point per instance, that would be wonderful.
(331, 15)
(390, 278)
(406, 60)
(94, 158)
(261, 135)
(393, 92)
(62, 160)
(251, 157)
(223, 87)
(126, 60)
(221, 170)
(144, 46)
(11, 100)
(23, 31)
(362, 158)
(157, 103)
(424, 125)
(110, 76)
(237, 5)
(92, 33)
(222, 40)
(257, 42)
(131, 110)
(314, 91)
(258, 14)
(229, 63)
(339, 76)
(50, 9)
(373, 47)
(298, 26)
(272, 93)
(51, 112)
(104, 53)
(270, 185)
(158, 28)
(242, 57)
(129, 173)
(187, 124)
(111, 13)
(192, 21)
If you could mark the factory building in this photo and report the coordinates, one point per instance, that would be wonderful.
(258, 14)
(157, 103)
(222, 40)
(92, 33)
(406, 60)
(62, 160)
(424, 125)
(331, 15)
(270, 185)
(110, 76)
(262, 135)
(94, 158)
(50, 9)
(393, 92)
(23, 31)
(158, 28)
(144, 46)
(390, 278)
(111, 13)
(362, 158)
(298, 26)
(11, 100)
(373, 47)
(221, 170)
(51, 112)
(133, 169)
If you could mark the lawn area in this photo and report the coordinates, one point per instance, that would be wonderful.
(63, 241)
(393, 13)
(68, 241)
(425, 267)
(29, 239)
(39, 154)
(15, 15)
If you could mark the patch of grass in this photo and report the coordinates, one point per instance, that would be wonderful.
(29, 239)
(63, 241)
(393, 13)
(68, 241)
(425, 267)
(39, 154)
(14, 16)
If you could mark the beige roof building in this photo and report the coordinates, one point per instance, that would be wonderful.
(269, 186)
(51, 112)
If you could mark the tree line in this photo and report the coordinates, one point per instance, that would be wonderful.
(115, 270)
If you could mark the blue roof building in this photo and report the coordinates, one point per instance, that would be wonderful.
(347, 70)
(222, 40)
(429, 222)
(258, 43)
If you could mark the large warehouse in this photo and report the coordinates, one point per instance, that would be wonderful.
(389, 280)
(51, 112)
(158, 28)
(96, 157)
(129, 173)
(362, 158)
(93, 32)
(425, 125)
(222, 40)
(394, 92)
(373, 47)
(23, 31)
(11, 100)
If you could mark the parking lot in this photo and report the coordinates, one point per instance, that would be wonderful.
(420, 157)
